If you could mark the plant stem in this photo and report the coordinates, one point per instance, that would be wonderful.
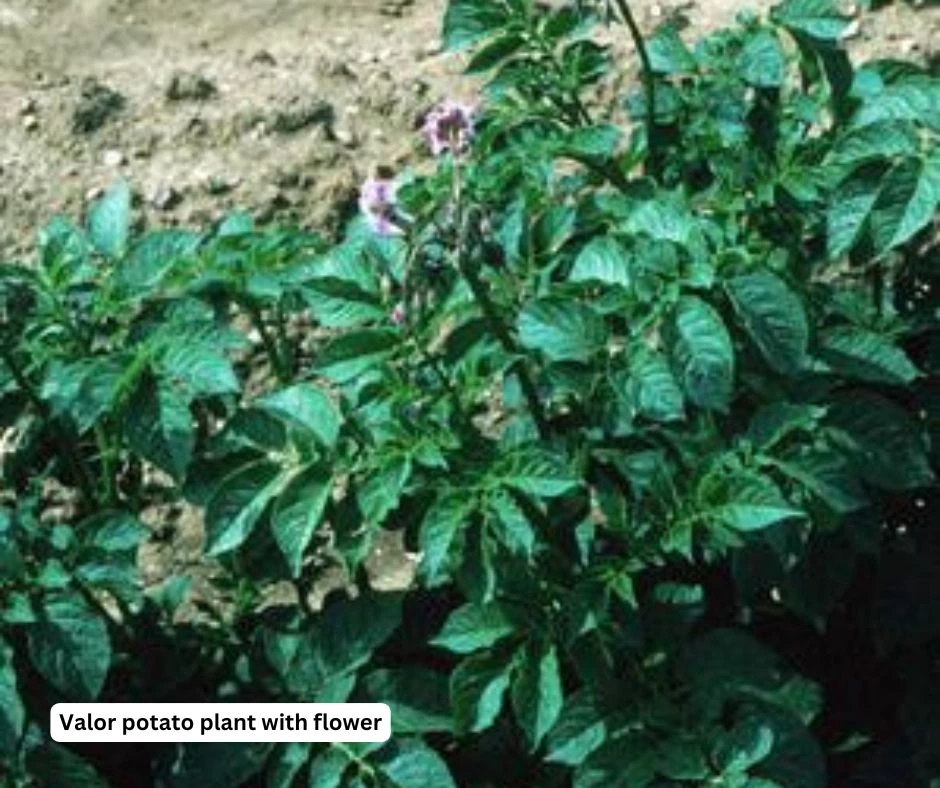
(67, 444)
(649, 85)
(491, 313)
(270, 346)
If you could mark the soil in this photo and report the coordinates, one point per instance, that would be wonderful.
(279, 107)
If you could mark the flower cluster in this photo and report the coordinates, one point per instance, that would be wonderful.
(449, 126)
(378, 201)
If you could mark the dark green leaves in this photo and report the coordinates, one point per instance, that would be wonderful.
(818, 19)
(239, 502)
(537, 693)
(12, 714)
(563, 330)
(774, 317)
(109, 221)
(477, 687)
(863, 354)
(70, 647)
(885, 205)
(603, 260)
(467, 21)
(298, 512)
(472, 627)
(702, 354)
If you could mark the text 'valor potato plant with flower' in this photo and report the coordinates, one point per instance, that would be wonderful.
(647, 381)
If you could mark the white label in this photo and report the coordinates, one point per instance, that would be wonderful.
(232, 722)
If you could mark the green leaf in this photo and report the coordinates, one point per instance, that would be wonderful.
(818, 19)
(702, 354)
(447, 516)
(154, 255)
(889, 206)
(477, 687)
(12, 713)
(563, 330)
(113, 531)
(796, 757)
(762, 61)
(355, 352)
(863, 354)
(494, 52)
(109, 221)
(467, 21)
(307, 405)
(774, 317)
(752, 502)
(537, 694)
(418, 698)
(602, 260)
(159, 426)
(199, 369)
(326, 770)
(410, 763)
(668, 54)
(652, 388)
(580, 729)
(535, 472)
(341, 303)
(238, 503)
(340, 641)
(286, 764)
(746, 744)
(382, 490)
(70, 647)
(915, 99)
(472, 627)
(886, 447)
(298, 512)
(215, 764)
(511, 524)
(53, 765)
(828, 476)
(624, 762)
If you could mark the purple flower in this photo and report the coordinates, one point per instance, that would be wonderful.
(377, 201)
(449, 126)
(398, 314)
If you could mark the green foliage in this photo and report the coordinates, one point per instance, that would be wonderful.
(655, 403)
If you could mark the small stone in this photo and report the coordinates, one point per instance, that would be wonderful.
(190, 86)
(28, 106)
(345, 138)
(164, 197)
(113, 158)
(94, 193)
(852, 30)
(30, 123)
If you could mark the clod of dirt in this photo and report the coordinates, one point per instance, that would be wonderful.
(164, 197)
(302, 114)
(97, 104)
(190, 86)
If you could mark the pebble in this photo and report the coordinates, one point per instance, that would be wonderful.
(93, 193)
(345, 138)
(28, 106)
(113, 158)
(30, 122)
(164, 197)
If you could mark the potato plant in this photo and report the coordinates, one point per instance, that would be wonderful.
(649, 386)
